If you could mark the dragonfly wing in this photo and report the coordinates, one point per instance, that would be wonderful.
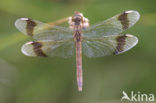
(53, 35)
(39, 30)
(44, 48)
(115, 44)
(114, 25)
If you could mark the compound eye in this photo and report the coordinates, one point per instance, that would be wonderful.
(77, 19)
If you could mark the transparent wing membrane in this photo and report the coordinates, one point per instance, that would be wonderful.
(53, 35)
(42, 31)
(114, 25)
(46, 48)
(116, 44)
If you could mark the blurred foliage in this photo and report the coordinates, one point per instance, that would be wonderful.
(53, 80)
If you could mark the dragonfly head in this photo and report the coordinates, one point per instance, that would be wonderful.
(78, 19)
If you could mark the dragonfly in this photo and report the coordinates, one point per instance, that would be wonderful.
(98, 40)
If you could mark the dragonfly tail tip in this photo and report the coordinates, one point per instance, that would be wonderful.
(80, 89)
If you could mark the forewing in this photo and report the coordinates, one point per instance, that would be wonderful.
(42, 31)
(109, 45)
(53, 35)
(44, 48)
(114, 25)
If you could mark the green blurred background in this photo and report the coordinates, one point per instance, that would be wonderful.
(53, 80)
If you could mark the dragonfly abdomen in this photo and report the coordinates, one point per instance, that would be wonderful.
(79, 65)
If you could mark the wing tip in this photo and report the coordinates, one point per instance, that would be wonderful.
(25, 47)
(19, 24)
(18, 21)
(33, 49)
(127, 37)
(134, 12)
(26, 26)
(135, 38)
